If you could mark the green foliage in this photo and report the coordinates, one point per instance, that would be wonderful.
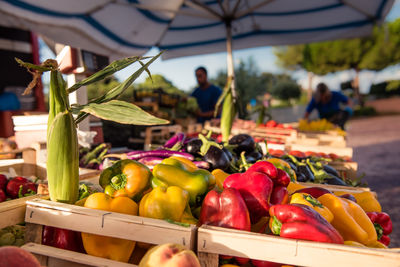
(374, 52)
(286, 90)
(364, 111)
(158, 81)
(385, 89)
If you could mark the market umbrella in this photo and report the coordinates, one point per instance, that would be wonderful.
(190, 27)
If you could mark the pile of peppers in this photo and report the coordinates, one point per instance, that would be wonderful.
(258, 200)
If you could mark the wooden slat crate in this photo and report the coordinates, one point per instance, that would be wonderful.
(55, 257)
(159, 134)
(340, 151)
(42, 212)
(213, 241)
(345, 169)
(13, 211)
(335, 188)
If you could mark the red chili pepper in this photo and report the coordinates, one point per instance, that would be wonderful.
(20, 186)
(3, 181)
(302, 222)
(264, 167)
(3, 196)
(383, 225)
(255, 188)
(62, 238)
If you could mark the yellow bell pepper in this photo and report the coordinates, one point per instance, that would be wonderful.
(377, 244)
(164, 203)
(354, 244)
(307, 199)
(220, 177)
(104, 246)
(350, 219)
(187, 163)
(293, 187)
(367, 200)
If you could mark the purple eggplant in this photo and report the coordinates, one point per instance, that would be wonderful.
(158, 153)
(193, 146)
(177, 138)
(150, 160)
(202, 164)
(217, 158)
(244, 142)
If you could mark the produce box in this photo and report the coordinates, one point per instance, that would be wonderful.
(335, 141)
(346, 169)
(42, 212)
(213, 241)
(340, 151)
(13, 211)
(55, 257)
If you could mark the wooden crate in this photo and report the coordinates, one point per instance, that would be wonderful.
(213, 241)
(42, 212)
(340, 151)
(55, 257)
(13, 211)
(28, 156)
(335, 188)
(316, 142)
(345, 169)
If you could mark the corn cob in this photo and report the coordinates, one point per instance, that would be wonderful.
(227, 116)
(62, 144)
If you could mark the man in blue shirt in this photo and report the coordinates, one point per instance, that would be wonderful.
(8, 101)
(328, 105)
(206, 95)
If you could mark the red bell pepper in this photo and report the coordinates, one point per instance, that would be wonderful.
(282, 178)
(3, 196)
(62, 238)
(302, 222)
(383, 226)
(3, 181)
(280, 195)
(255, 188)
(264, 167)
(226, 209)
(20, 187)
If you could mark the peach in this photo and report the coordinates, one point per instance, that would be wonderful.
(17, 257)
(169, 255)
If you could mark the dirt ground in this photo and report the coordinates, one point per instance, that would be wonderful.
(376, 144)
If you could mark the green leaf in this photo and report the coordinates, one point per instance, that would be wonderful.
(45, 66)
(107, 71)
(122, 112)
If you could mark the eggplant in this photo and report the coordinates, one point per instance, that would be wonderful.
(176, 138)
(217, 158)
(244, 142)
(193, 146)
(254, 154)
(334, 180)
(301, 177)
(330, 170)
(292, 165)
(151, 161)
(202, 164)
(135, 155)
(304, 169)
(228, 153)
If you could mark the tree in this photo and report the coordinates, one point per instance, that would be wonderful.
(286, 90)
(158, 81)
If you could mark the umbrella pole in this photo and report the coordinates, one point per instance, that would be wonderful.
(230, 65)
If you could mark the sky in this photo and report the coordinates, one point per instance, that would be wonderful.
(180, 71)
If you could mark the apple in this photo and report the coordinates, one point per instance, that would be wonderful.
(169, 255)
(17, 257)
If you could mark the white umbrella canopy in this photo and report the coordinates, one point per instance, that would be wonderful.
(189, 27)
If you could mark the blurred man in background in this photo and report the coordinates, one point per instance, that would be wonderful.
(327, 103)
(206, 95)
